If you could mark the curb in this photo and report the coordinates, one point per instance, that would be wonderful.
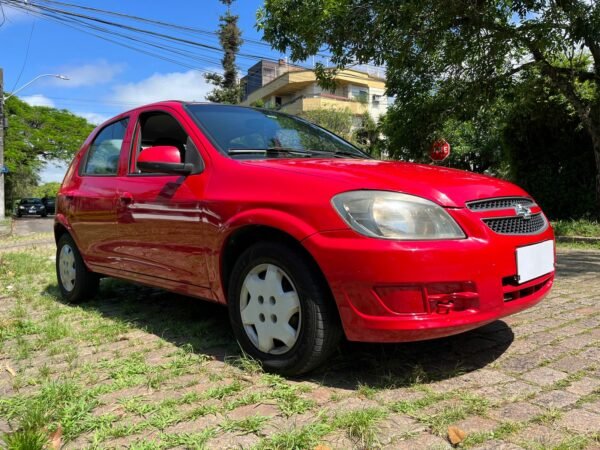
(571, 239)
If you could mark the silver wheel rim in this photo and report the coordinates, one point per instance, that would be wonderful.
(66, 266)
(270, 309)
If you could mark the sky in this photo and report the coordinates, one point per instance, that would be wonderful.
(104, 78)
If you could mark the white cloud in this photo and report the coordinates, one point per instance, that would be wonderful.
(189, 86)
(93, 117)
(38, 100)
(100, 72)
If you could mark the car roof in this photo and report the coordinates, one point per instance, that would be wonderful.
(171, 103)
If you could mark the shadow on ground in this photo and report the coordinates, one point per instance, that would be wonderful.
(575, 263)
(205, 326)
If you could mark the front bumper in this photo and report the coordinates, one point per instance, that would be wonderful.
(26, 212)
(360, 269)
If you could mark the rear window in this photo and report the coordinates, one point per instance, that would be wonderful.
(105, 150)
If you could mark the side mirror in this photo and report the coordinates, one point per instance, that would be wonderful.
(163, 159)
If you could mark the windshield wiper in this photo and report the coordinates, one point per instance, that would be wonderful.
(266, 151)
(293, 151)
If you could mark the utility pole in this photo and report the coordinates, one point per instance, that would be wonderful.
(2, 122)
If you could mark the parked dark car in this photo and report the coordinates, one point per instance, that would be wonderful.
(50, 204)
(31, 207)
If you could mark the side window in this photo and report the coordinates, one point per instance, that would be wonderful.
(103, 154)
(159, 128)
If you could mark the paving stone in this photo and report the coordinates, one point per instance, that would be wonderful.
(592, 406)
(571, 364)
(396, 427)
(523, 363)
(544, 376)
(242, 412)
(591, 353)
(196, 425)
(508, 392)
(578, 341)
(424, 441)
(497, 445)
(555, 399)
(581, 421)
(4, 427)
(538, 436)
(584, 386)
(227, 441)
(477, 424)
(337, 440)
(516, 412)
(398, 395)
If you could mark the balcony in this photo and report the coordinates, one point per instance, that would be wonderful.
(324, 101)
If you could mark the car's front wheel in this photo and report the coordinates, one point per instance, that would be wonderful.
(281, 309)
(75, 281)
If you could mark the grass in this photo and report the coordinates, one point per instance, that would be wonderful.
(581, 227)
(136, 362)
(306, 437)
(10, 239)
(361, 425)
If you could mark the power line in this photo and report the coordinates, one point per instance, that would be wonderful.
(26, 57)
(81, 22)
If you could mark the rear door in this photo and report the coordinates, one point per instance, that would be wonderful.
(162, 219)
(91, 199)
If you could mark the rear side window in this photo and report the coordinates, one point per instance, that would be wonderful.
(104, 152)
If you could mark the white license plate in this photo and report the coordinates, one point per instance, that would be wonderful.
(535, 260)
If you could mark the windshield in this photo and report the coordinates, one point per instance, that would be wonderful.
(248, 133)
(31, 201)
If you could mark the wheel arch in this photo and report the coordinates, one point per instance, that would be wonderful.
(244, 237)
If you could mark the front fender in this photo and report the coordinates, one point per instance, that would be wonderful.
(288, 223)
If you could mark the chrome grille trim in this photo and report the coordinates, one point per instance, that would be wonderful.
(517, 225)
(499, 203)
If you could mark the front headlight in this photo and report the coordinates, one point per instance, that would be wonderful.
(21, 207)
(392, 215)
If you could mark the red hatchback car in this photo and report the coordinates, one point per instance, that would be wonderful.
(304, 237)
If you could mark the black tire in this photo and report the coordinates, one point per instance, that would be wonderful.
(320, 331)
(19, 215)
(44, 215)
(85, 283)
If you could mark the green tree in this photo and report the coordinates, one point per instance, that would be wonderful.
(228, 89)
(49, 189)
(464, 52)
(35, 135)
(368, 135)
(338, 121)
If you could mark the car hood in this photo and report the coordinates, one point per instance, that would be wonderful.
(447, 187)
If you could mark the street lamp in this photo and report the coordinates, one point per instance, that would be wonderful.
(3, 126)
(54, 75)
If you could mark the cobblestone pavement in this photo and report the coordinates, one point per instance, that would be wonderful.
(163, 372)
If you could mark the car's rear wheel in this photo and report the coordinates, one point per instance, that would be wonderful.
(281, 310)
(75, 281)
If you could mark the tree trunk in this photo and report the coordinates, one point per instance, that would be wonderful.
(595, 134)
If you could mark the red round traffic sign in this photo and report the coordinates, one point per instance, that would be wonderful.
(439, 150)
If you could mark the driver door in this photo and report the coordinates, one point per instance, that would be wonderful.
(162, 233)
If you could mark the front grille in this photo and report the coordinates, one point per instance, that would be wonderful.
(517, 225)
(499, 203)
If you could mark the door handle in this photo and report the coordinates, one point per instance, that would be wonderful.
(126, 198)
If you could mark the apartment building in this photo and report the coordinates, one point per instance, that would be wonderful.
(295, 89)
